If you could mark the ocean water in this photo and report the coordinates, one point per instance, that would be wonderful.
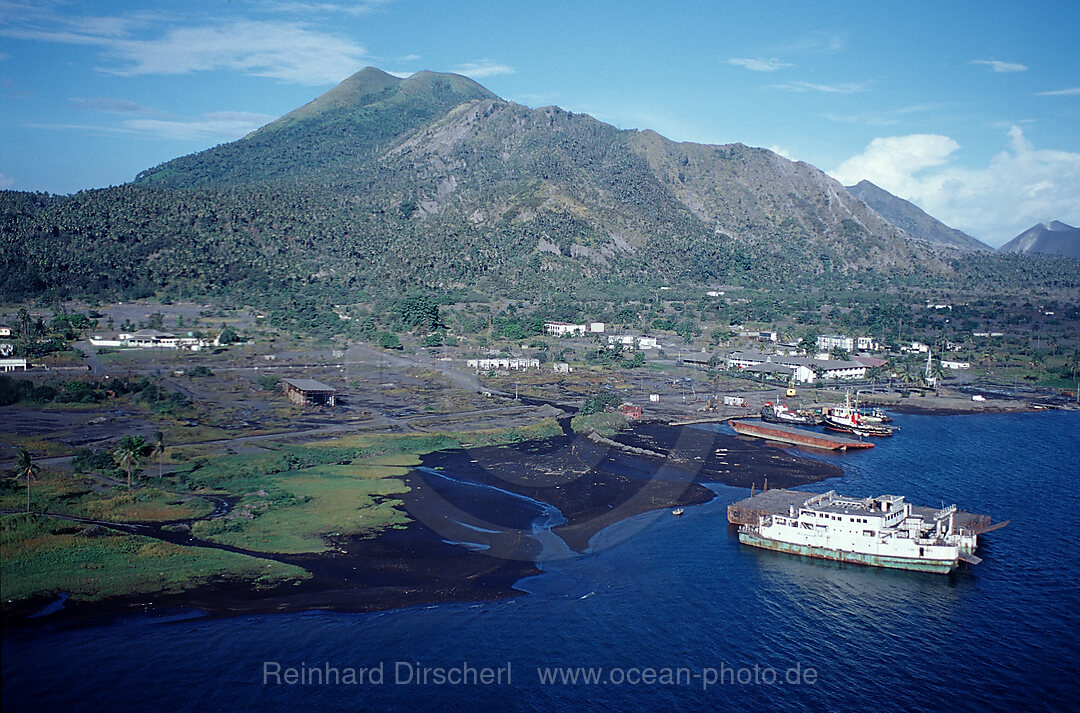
(677, 616)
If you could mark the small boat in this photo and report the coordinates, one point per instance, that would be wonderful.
(848, 419)
(677, 511)
(779, 413)
(876, 415)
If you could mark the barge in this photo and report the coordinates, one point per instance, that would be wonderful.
(795, 436)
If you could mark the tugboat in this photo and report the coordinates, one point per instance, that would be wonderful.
(847, 419)
(779, 413)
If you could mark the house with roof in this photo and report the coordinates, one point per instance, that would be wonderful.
(308, 392)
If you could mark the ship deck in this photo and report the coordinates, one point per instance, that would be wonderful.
(778, 501)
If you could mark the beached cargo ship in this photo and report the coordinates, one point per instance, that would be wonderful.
(884, 531)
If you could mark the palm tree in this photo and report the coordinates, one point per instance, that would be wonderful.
(25, 467)
(938, 372)
(906, 372)
(875, 373)
(127, 454)
(24, 324)
(158, 449)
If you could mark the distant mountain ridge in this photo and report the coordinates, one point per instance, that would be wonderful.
(914, 220)
(433, 182)
(463, 155)
(1057, 238)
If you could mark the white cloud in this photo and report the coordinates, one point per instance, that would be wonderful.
(1022, 185)
(885, 117)
(999, 66)
(781, 151)
(1061, 93)
(816, 42)
(113, 106)
(483, 68)
(282, 50)
(759, 65)
(220, 125)
(309, 8)
(892, 162)
(154, 45)
(842, 88)
(227, 125)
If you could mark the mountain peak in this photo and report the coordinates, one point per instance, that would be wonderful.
(349, 123)
(913, 219)
(356, 89)
(372, 85)
(1057, 238)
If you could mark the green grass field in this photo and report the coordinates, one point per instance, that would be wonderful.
(293, 511)
(44, 556)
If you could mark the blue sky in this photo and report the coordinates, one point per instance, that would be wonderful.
(969, 109)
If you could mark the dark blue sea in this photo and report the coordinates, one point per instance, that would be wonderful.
(677, 616)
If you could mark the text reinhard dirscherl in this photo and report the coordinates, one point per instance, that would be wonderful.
(412, 673)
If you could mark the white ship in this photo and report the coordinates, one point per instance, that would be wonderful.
(881, 531)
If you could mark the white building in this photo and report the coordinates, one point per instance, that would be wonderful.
(624, 340)
(561, 367)
(866, 344)
(954, 365)
(841, 369)
(148, 339)
(763, 335)
(514, 363)
(801, 368)
(828, 342)
(647, 343)
(562, 329)
(596, 327)
(743, 359)
(13, 364)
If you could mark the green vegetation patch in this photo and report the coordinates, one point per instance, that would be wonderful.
(62, 493)
(296, 510)
(43, 556)
(606, 424)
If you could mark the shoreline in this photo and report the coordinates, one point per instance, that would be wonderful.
(590, 485)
